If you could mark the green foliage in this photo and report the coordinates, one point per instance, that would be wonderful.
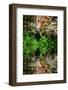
(45, 44)
(30, 44)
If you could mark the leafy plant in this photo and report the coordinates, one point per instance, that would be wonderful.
(30, 44)
(45, 44)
